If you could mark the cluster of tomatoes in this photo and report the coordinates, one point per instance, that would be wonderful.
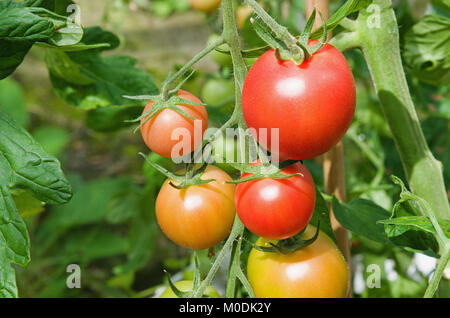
(311, 105)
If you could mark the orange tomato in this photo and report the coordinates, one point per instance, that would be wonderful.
(199, 216)
(160, 132)
(316, 271)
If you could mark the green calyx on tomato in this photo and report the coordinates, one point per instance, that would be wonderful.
(161, 117)
(185, 286)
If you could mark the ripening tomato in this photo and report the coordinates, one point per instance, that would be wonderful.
(199, 216)
(206, 6)
(186, 286)
(311, 104)
(277, 208)
(315, 271)
(170, 134)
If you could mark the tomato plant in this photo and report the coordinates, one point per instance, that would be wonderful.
(315, 271)
(197, 217)
(311, 104)
(348, 187)
(165, 130)
(277, 209)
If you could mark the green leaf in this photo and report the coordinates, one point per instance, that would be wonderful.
(110, 118)
(417, 223)
(85, 246)
(87, 80)
(11, 56)
(14, 238)
(88, 206)
(12, 101)
(26, 164)
(143, 237)
(322, 215)
(365, 218)
(124, 205)
(442, 4)
(66, 31)
(426, 50)
(8, 288)
(23, 164)
(361, 216)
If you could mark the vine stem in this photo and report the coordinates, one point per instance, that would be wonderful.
(379, 40)
(238, 229)
(440, 267)
(231, 37)
(280, 31)
(208, 49)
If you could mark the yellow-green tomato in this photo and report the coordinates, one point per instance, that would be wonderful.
(316, 271)
(221, 59)
(186, 286)
(217, 91)
(206, 6)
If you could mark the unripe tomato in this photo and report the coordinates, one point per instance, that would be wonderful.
(199, 216)
(157, 132)
(311, 104)
(226, 150)
(243, 12)
(277, 208)
(315, 271)
(186, 286)
(206, 6)
(221, 59)
(216, 91)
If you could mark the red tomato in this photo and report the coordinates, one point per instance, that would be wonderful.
(199, 216)
(277, 208)
(315, 271)
(312, 104)
(157, 132)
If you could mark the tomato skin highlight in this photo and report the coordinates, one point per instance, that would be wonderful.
(199, 216)
(277, 208)
(186, 286)
(312, 104)
(157, 132)
(315, 271)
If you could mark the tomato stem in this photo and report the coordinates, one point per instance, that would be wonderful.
(208, 49)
